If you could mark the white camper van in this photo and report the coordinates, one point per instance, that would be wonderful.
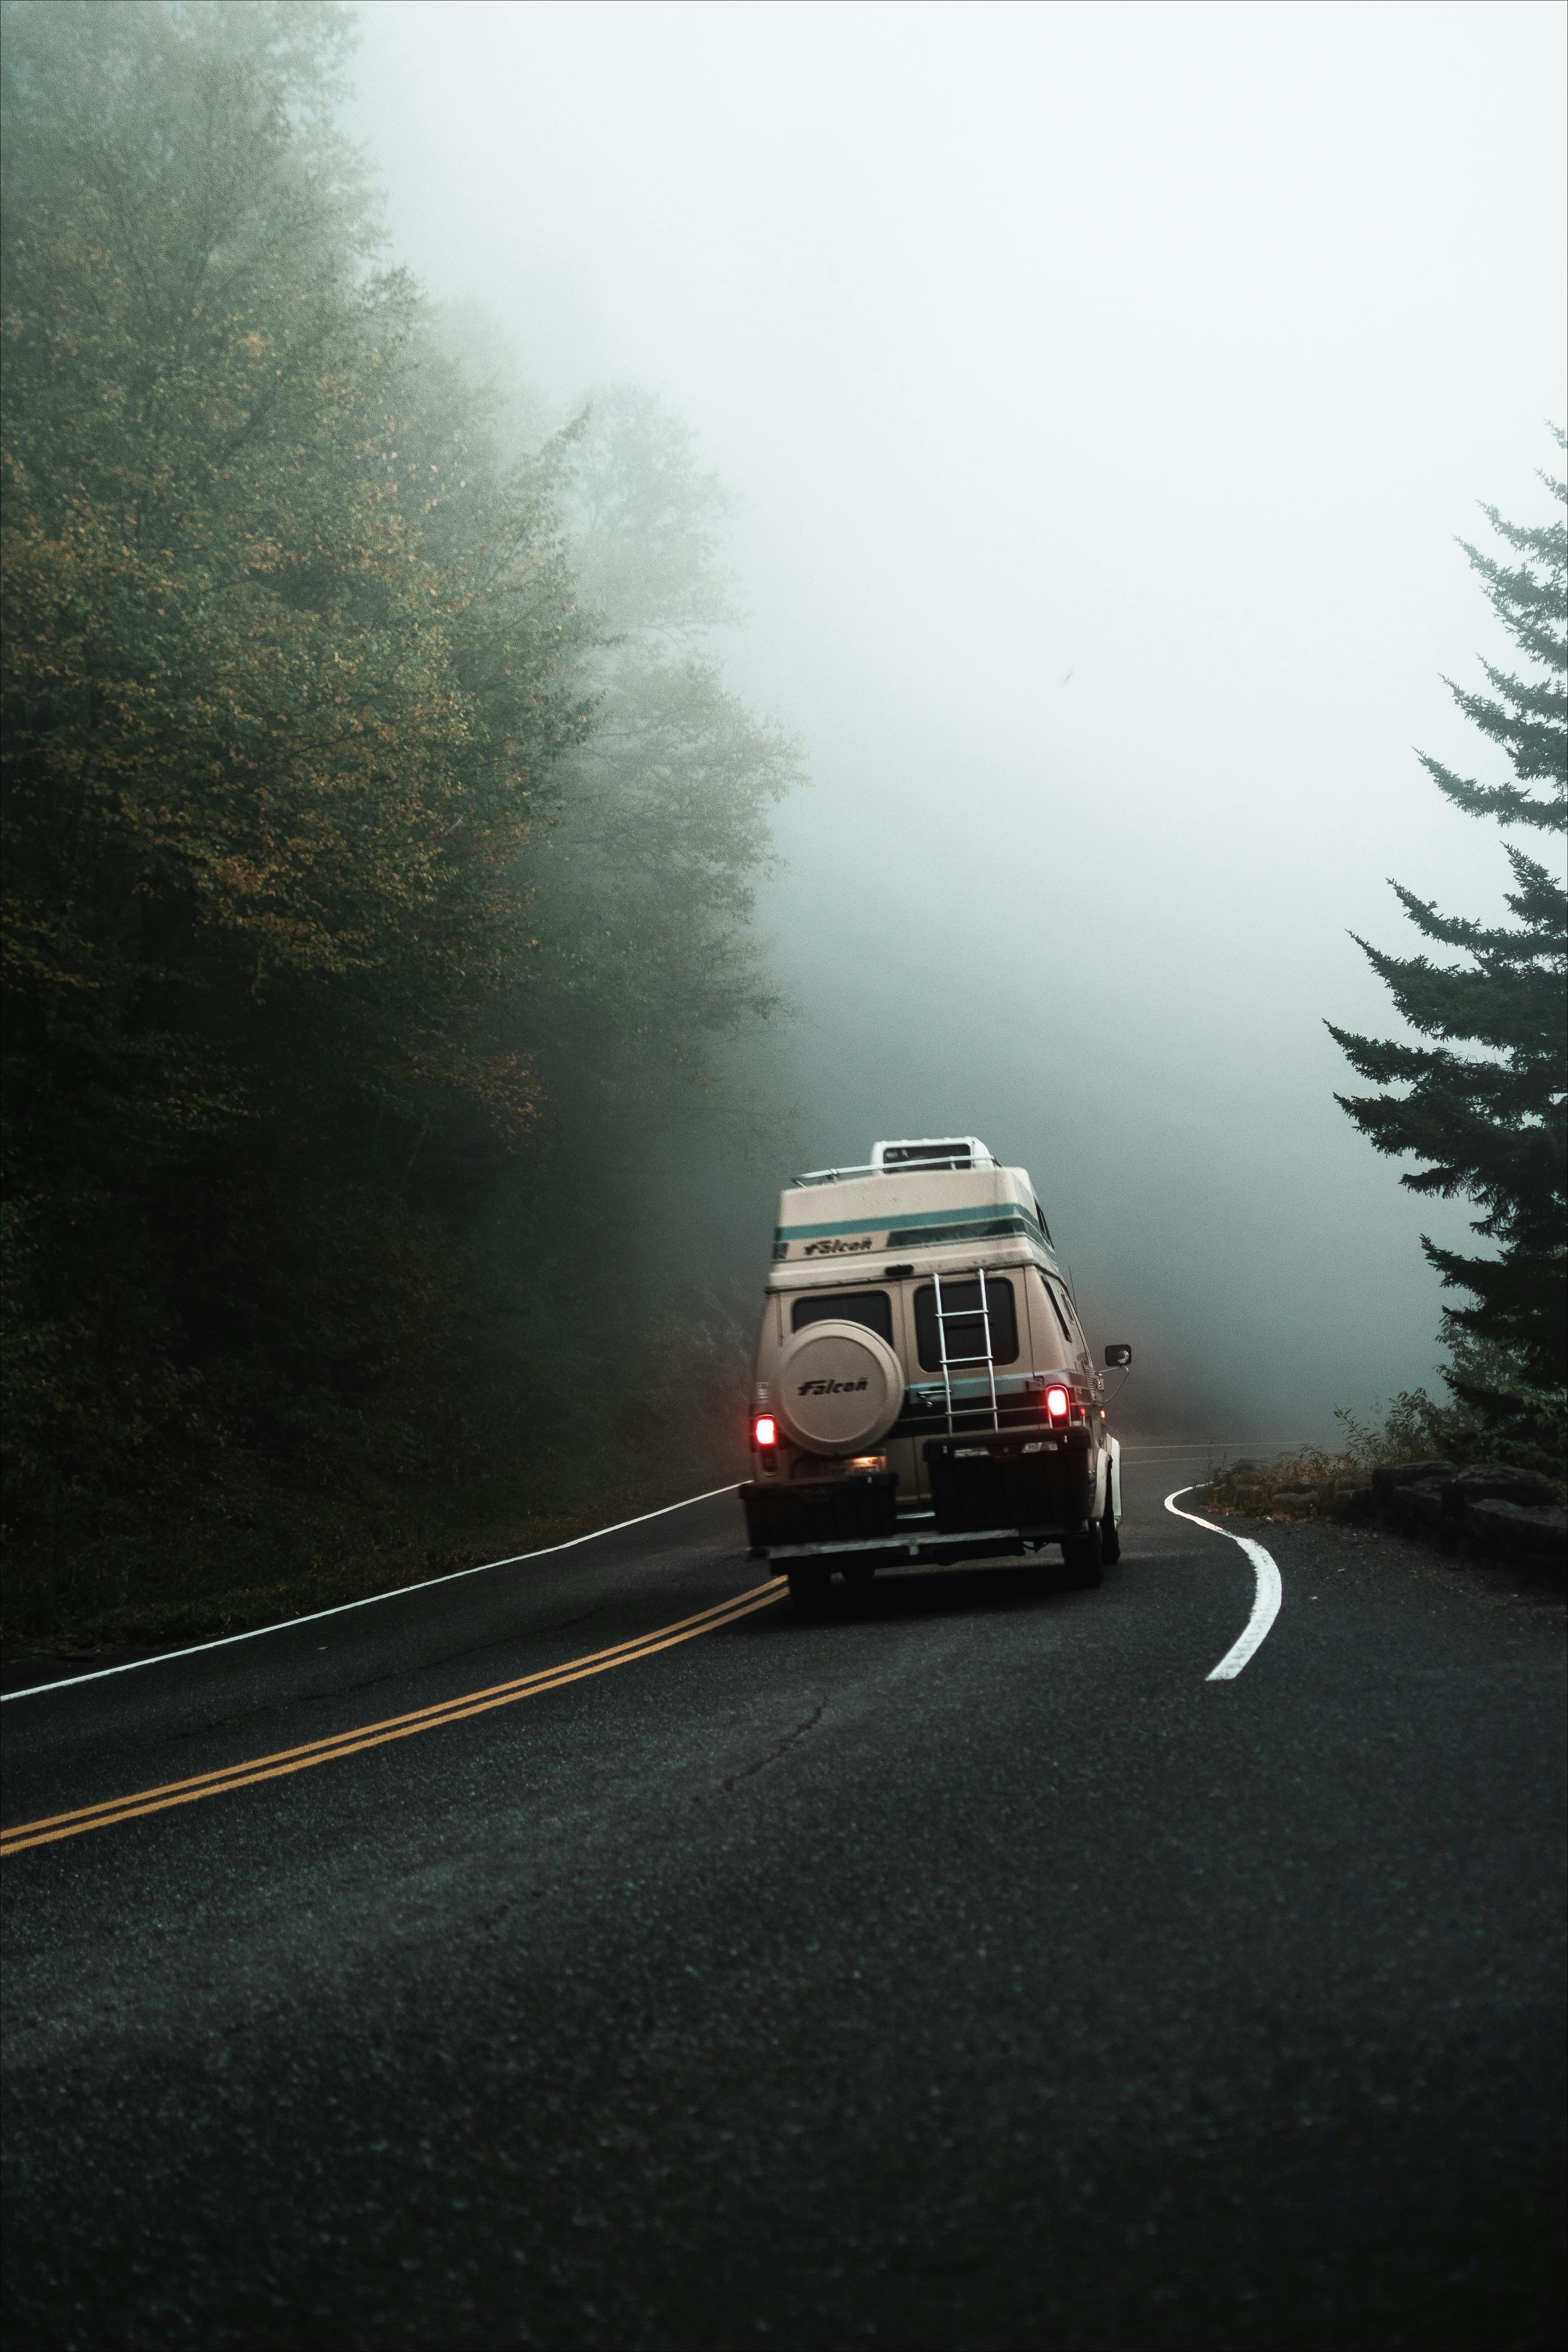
(924, 1389)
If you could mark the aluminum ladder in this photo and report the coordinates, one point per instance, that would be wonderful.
(945, 1315)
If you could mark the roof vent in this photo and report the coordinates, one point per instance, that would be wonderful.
(930, 1152)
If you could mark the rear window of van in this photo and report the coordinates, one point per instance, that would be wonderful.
(872, 1307)
(965, 1332)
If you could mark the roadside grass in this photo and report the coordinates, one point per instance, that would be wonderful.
(1310, 1485)
(1318, 1483)
(118, 1587)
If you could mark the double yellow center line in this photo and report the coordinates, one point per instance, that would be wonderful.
(277, 1767)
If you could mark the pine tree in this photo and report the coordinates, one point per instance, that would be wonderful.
(1490, 1125)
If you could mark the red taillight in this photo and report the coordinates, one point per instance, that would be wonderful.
(765, 1431)
(1056, 1403)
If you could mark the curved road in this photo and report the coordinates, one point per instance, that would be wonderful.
(970, 1970)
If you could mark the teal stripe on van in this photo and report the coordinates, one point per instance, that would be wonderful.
(995, 1231)
(984, 1214)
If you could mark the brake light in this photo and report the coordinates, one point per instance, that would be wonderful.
(1056, 1403)
(765, 1431)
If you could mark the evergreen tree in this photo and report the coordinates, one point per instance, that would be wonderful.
(1490, 1125)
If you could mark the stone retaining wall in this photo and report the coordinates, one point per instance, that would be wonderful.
(1490, 1510)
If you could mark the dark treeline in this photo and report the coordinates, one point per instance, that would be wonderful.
(380, 849)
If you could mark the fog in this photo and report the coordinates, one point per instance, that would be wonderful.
(1102, 390)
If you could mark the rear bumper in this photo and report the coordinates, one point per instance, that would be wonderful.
(994, 1493)
(920, 1546)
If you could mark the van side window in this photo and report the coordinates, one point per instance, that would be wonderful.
(1044, 1228)
(1061, 1313)
(965, 1328)
(872, 1307)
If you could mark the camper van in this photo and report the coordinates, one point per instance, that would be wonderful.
(924, 1388)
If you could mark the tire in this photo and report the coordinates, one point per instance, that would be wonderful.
(810, 1594)
(1082, 1560)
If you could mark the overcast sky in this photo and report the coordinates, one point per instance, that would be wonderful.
(1103, 388)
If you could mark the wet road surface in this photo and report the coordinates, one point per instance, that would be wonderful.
(967, 1970)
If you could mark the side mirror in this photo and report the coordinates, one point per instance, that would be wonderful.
(1117, 1357)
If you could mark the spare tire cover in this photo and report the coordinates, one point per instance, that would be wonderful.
(839, 1387)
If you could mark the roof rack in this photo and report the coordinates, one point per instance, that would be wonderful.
(931, 1151)
(911, 1156)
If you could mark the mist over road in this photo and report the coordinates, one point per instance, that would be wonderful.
(1103, 391)
(968, 1971)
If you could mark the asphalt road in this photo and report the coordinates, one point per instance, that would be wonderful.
(966, 1971)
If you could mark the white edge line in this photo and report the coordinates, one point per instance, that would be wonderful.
(1266, 1598)
(314, 1617)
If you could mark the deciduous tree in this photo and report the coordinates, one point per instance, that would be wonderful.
(278, 719)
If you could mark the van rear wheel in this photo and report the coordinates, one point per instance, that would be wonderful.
(810, 1594)
(1082, 1560)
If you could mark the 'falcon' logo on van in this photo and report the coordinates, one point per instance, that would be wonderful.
(836, 1248)
(828, 1387)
